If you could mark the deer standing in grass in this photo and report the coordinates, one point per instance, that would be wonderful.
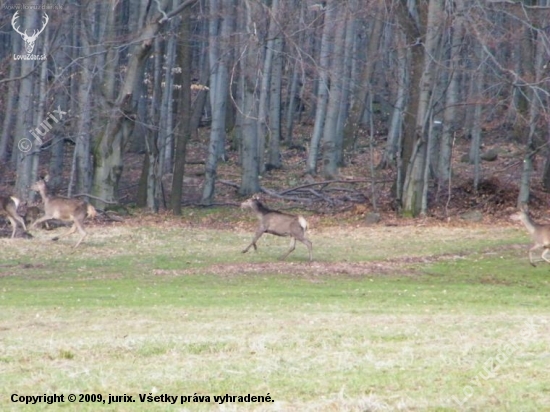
(69, 210)
(278, 224)
(8, 207)
(539, 233)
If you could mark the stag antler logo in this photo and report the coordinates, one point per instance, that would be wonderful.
(29, 40)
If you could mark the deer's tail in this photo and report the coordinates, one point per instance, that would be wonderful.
(303, 223)
(16, 201)
(91, 211)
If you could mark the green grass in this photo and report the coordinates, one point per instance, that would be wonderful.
(385, 318)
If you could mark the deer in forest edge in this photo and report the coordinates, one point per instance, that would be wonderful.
(70, 210)
(278, 224)
(539, 233)
(8, 207)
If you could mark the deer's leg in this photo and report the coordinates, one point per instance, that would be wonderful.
(21, 220)
(69, 232)
(259, 234)
(536, 247)
(81, 230)
(13, 226)
(544, 254)
(292, 247)
(37, 221)
(307, 242)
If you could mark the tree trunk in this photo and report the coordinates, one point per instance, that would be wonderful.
(183, 130)
(153, 143)
(9, 118)
(202, 94)
(26, 120)
(250, 182)
(537, 98)
(389, 157)
(350, 50)
(248, 112)
(293, 90)
(413, 185)
(291, 105)
(332, 141)
(83, 137)
(274, 150)
(450, 121)
(323, 87)
(410, 133)
(264, 92)
(167, 108)
(475, 144)
(219, 88)
(356, 115)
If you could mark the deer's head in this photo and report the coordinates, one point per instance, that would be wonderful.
(29, 40)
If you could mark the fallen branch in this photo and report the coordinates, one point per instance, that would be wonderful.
(229, 183)
(96, 198)
(313, 194)
(279, 196)
(328, 182)
(321, 196)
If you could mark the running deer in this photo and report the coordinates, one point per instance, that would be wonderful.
(539, 233)
(278, 224)
(8, 207)
(69, 210)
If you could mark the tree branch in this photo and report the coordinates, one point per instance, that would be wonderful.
(177, 10)
(327, 182)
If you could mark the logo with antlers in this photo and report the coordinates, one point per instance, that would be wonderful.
(29, 40)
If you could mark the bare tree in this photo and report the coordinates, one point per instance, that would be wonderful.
(221, 26)
(323, 88)
(415, 140)
(332, 140)
(184, 109)
(26, 160)
(109, 143)
(450, 121)
(274, 43)
(248, 110)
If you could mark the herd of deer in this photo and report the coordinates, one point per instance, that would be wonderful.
(60, 208)
(270, 221)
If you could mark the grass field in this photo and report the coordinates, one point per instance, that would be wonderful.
(412, 318)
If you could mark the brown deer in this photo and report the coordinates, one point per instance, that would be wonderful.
(69, 210)
(8, 208)
(278, 224)
(539, 233)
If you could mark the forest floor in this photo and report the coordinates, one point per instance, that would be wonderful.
(352, 195)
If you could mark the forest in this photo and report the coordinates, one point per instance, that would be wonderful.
(86, 84)
(393, 141)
